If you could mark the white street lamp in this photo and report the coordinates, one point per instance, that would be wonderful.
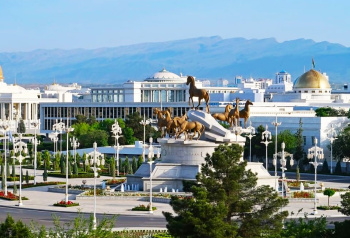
(315, 152)
(5, 125)
(68, 129)
(54, 138)
(60, 127)
(276, 124)
(237, 130)
(283, 162)
(75, 144)
(150, 161)
(267, 136)
(95, 161)
(250, 136)
(20, 147)
(35, 123)
(144, 122)
(117, 133)
(332, 137)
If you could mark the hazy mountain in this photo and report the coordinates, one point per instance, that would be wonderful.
(204, 57)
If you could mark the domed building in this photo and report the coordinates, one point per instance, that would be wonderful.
(310, 86)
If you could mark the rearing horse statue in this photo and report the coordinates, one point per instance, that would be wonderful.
(244, 113)
(195, 92)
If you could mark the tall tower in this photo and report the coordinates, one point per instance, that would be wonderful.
(1, 75)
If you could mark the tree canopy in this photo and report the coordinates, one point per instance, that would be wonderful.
(227, 202)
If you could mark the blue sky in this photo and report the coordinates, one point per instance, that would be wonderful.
(68, 24)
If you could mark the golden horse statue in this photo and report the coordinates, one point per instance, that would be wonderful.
(224, 116)
(195, 92)
(244, 113)
(162, 122)
(173, 125)
(234, 114)
(187, 126)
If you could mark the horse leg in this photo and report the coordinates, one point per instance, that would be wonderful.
(199, 102)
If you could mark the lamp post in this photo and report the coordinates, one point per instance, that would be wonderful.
(95, 161)
(332, 137)
(75, 144)
(54, 138)
(68, 129)
(117, 132)
(283, 162)
(315, 152)
(237, 130)
(267, 136)
(150, 161)
(276, 124)
(144, 122)
(35, 123)
(20, 147)
(59, 126)
(250, 136)
(5, 125)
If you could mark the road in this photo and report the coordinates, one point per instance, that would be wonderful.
(46, 218)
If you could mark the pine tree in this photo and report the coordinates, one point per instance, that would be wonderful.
(227, 189)
(13, 171)
(126, 165)
(338, 168)
(45, 173)
(325, 168)
(75, 169)
(3, 179)
(39, 159)
(21, 127)
(112, 166)
(14, 188)
(134, 164)
(121, 166)
(27, 177)
(69, 168)
(57, 161)
(139, 161)
(299, 150)
(62, 165)
(8, 169)
(22, 179)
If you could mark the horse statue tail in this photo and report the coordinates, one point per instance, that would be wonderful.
(207, 102)
(203, 129)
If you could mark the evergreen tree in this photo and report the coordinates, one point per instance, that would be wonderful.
(45, 173)
(75, 169)
(84, 159)
(78, 159)
(227, 189)
(27, 177)
(134, 164)
(62, 165)
(126, 165)
(13, 171)
(139, 161)
(299, 149)
(21, 127)
(14, 187)
(57, 161)
(22, 177)
(325, 168)
(39, 161)
(121, 166)
(69, 168)
(8, 169)
(3, 179)
(338, 168)
(112, 166)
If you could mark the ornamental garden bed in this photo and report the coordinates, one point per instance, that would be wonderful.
(10, 178)
(114, 181)
(66, 204)
(143, 208)
(328, 207)
(303, 194)
(80, 175)
(30, 185)
(10, 196)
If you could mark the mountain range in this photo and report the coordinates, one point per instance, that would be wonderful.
(204, 57)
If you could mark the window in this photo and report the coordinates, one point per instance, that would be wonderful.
(304, 138)
(313, 140)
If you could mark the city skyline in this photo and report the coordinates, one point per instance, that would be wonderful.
(95, 24)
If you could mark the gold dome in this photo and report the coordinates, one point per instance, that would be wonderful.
(1, 75)
(312, 79)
